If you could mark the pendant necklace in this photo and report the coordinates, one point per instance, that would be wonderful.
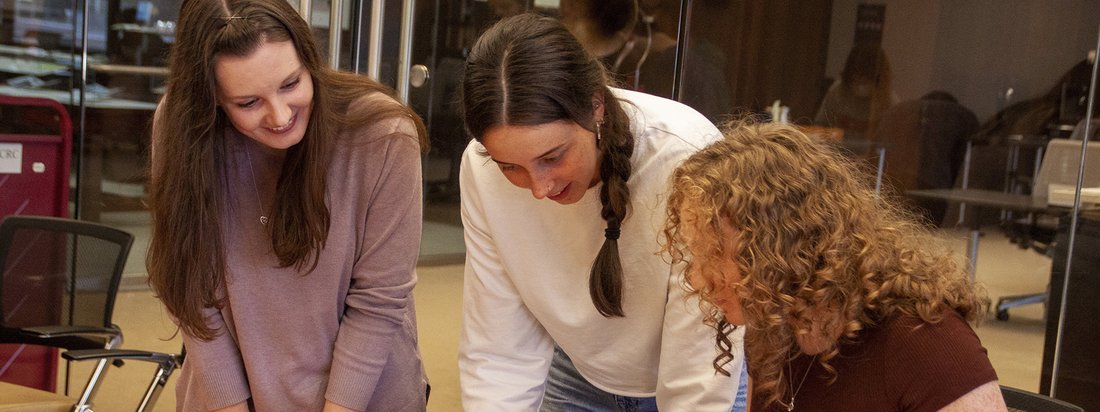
(256, 188)
(789, 406)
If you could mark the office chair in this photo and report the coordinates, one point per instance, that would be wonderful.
(1023, 401)
(1057, 174)
(1039, 234)
(930, 134)
(59, 281)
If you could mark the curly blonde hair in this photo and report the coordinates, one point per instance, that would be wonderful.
(812, 241)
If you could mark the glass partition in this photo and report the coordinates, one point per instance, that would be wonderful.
(936, 96)
(973, 113)
(109, 73)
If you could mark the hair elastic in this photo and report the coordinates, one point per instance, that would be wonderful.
(611, 233)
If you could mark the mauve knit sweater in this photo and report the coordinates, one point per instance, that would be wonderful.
(346, 331)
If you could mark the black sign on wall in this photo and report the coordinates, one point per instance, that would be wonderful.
(869, 22)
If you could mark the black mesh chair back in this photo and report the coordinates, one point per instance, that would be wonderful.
(58, 281)
(60, 273)
(1024, 401)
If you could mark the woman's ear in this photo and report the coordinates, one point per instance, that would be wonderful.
(597, 108)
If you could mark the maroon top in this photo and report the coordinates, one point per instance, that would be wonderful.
(903, 364)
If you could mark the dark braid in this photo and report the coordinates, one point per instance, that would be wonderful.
(616, 143)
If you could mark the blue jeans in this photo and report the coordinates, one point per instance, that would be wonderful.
(568, 391)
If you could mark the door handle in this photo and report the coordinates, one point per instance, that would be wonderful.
(418, 75)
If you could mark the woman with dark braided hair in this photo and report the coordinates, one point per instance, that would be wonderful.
(286, 215)
(567, 304)
(849, 303)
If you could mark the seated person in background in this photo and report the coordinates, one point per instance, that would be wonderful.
(931, 133)
(605, 28)
(857, 100)
(847, 304)
(640, 54)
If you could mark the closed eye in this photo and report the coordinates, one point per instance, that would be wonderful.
(554, 156)
(247, 104)
(292, 85)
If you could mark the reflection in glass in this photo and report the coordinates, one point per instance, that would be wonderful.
(857, 100)
(127, 46)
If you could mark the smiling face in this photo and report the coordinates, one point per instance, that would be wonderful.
(267, 94)
(557, 160)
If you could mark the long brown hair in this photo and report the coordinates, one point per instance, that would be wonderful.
(869, 62)
(186, 258)
(529, 70)
(812, 241)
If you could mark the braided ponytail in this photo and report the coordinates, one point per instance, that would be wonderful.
(616, 143)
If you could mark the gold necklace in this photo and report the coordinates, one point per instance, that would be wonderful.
(790, 405)
(255, 187)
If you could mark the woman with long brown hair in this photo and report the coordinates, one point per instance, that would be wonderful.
(286, 208)
(567, 306)
(857, 101)
(847, 302)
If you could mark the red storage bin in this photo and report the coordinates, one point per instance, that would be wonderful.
(35, 159)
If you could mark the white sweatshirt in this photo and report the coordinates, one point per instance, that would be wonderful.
(526, 283)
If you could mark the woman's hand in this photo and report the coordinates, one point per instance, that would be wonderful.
(240, 407)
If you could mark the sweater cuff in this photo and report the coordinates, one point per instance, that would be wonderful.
(348, 391)
(221, 386)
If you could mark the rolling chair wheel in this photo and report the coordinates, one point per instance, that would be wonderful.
(1002, 312)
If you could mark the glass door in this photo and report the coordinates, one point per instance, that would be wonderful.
(420, 51)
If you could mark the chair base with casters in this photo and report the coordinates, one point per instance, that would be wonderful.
(1007, 302)
(1019, 400)
(1035, 233)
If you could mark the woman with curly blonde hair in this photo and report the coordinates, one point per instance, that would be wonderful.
(848, 303)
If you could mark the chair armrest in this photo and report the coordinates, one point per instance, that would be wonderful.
(166, 360)
(46, 332)
(65, 337)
